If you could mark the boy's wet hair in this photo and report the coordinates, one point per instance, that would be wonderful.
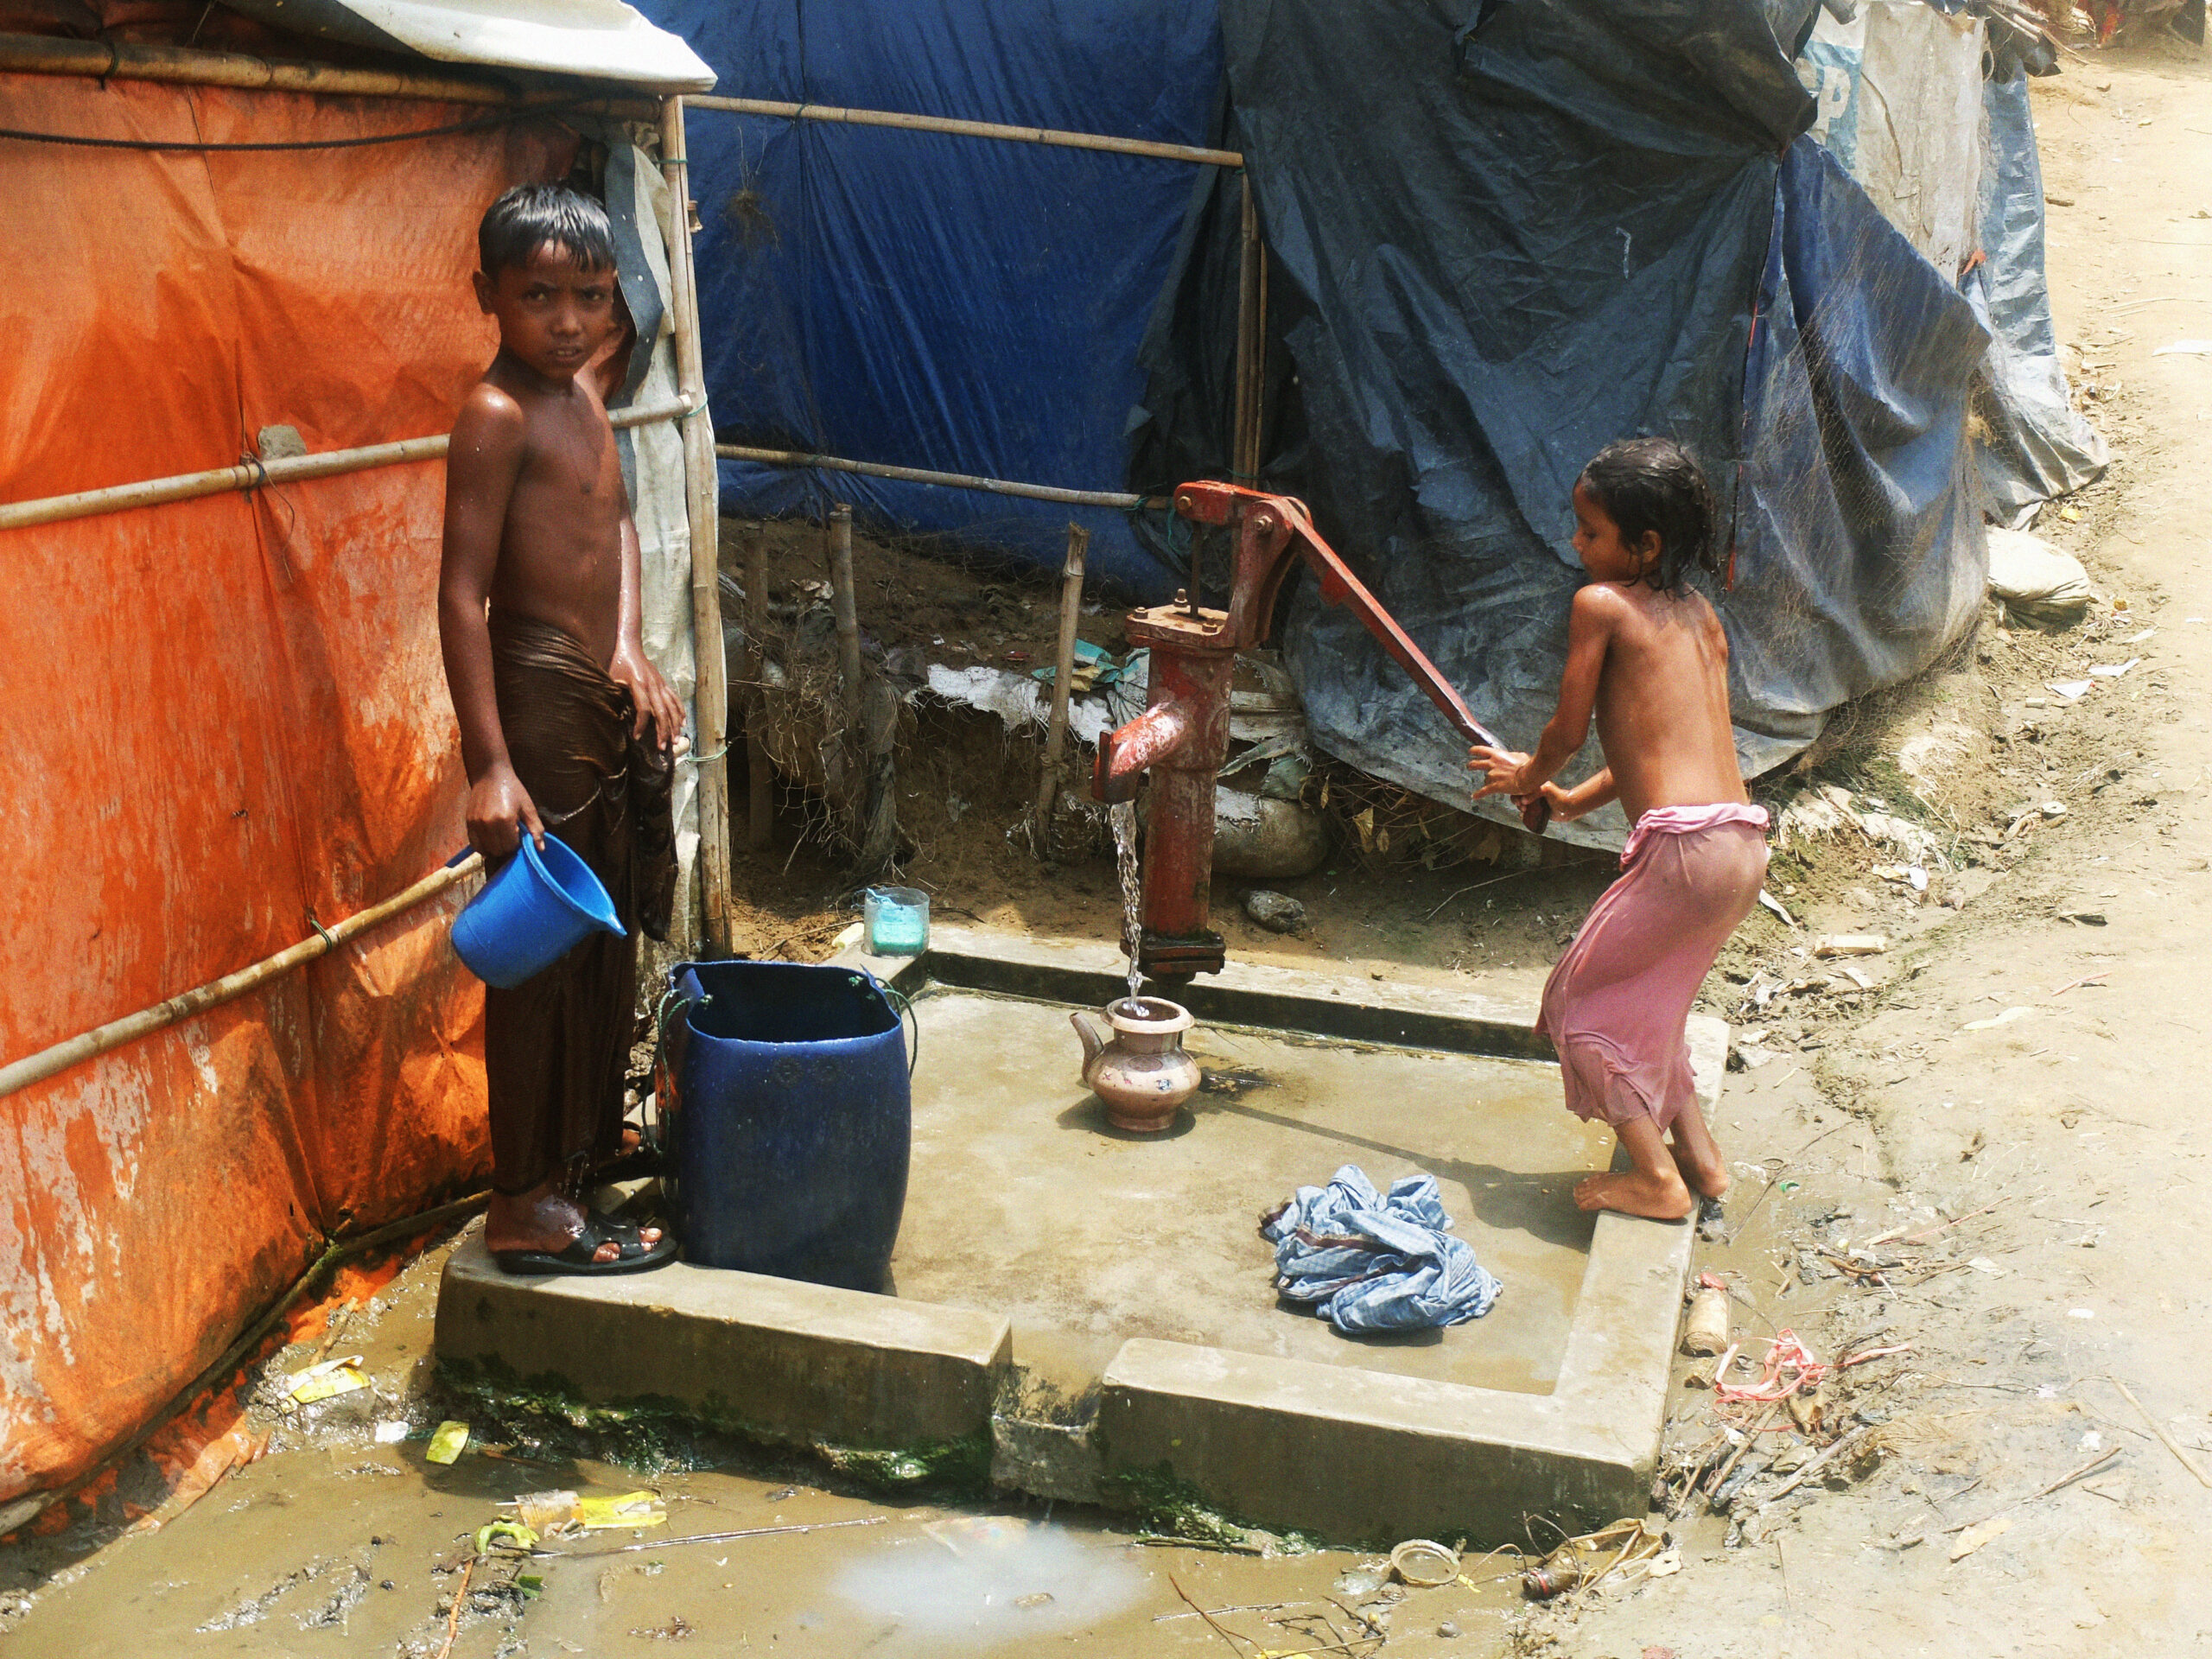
(528, 216)
(1652, 483)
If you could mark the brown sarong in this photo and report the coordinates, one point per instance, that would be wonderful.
(557, 1045)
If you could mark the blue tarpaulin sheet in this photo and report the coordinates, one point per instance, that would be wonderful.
(961, 304)
(1504, 234)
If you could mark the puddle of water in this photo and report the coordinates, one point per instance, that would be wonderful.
(972, 1583)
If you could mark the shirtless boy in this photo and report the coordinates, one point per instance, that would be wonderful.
(565, 727)
(1646, 654)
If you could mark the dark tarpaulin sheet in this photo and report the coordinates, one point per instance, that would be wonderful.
(965, 305)
(1500, 243)
(1860, 551)
(2035, 446)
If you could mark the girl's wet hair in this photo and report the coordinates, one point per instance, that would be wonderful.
(528, 216)
(1651, 484)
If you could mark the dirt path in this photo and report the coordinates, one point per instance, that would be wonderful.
(2069, 1143)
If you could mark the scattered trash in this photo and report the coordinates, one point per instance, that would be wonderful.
(1425, 1564)
(2112, 671)
(1974, 1537)
(1775, 904)
(546, 1511)
(1449, 1631)
(2081, 1314)
(2034, 579)
(2185, 348)
(326, 1381)
(392, 1432)
(1997, 1020)
(1278, 912)
(1593, 1557)
(447, 1443)
(233, 1449)
(1856, 944)
(1983, 1264)
(514, 1533)
(1706, 1332)
(2083, 918)
(1370, 1263)
(2072, 691)
(1360, 1581)
(630, 1510)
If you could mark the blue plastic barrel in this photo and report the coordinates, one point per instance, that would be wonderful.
(792, 1121)
(535, 908)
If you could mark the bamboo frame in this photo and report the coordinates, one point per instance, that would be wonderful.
(42, 55)
(710, 699)
(760, 805)
(60, 1057)
(253, 474)
(1056, 732)
(951, 480)
(1051, 136)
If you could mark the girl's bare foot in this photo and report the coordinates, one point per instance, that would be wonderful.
(1655, 1196)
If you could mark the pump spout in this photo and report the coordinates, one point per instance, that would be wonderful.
(1126, 754)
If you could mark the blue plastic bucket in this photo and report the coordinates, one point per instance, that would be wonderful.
(792, 1121)
(535, 908)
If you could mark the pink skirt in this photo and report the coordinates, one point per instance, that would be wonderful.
(1616, 1005)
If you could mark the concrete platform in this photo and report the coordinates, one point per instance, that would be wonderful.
(1098, 1303)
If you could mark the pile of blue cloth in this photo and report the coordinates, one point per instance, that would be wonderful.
(1368, 1263)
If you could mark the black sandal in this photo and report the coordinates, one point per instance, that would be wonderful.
(577, 1259)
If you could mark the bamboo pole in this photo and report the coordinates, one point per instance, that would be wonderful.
(761, 807)
(1056, 736)
(253, 474)
(35, 1068)
(40, 54)
(1051, 136)
(847, 605)
(711, 741)
(949, 481)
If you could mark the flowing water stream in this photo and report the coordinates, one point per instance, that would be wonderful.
(1123, 817)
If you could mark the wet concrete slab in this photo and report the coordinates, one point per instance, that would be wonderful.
(1124, 1278)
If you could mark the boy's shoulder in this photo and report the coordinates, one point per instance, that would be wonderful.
(490, 409)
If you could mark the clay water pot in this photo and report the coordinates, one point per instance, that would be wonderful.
(1142, 1073)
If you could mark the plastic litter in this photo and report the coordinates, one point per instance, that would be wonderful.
(1424, 1563)
(1855, 945)
(513, 1532)
(325, 1381)
(1707, 1330)
(898, 921)
(447, 1443)
(630, 1510)
(546, 1511)
(1371, 1263)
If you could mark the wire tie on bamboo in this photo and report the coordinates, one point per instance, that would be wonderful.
(329, 939)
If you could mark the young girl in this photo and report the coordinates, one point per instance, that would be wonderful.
(1644, 653)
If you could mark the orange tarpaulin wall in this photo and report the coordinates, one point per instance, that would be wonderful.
(220, 718)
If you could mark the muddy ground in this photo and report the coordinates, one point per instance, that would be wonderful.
(1988, 1156)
